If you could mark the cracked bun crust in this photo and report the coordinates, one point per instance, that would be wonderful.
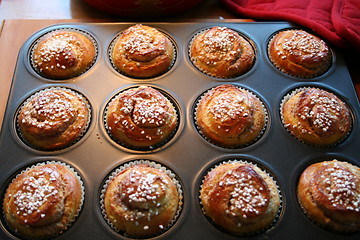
(221, 52)
(329, 193)
(240, 198)
(63, 54)
(142, 52)
(141, 201)
(42, 201)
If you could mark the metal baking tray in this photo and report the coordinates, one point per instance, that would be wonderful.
(187, 154)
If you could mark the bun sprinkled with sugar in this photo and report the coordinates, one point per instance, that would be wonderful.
(63, 54)
(43, 201)
(240, 198)
(142, 51)
(316, 116)
(299, 53)
(141, 118)
(221, 52)
(141, 200)
(229, 116)
(53, 118)
(329, 193)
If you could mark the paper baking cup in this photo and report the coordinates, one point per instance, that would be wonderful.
(149, 148)
(219, 145)
(80, 205)
(85, 128)
(86, 34)
(294, 92)
(284, 70)
(210, 73)
(152, 164)
(248, 234)
(111, 49)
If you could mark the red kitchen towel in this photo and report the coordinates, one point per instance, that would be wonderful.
(337, 21)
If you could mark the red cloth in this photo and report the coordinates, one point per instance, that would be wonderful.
(337, 21)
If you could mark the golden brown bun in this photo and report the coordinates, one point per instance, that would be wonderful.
(141, 201)
(299, 53)
(230, 117)
(317, 117)
(142, 52)
(329, 193)
(222, 52)
(240, 198)
(141, 117)
(42, 201)
(53, 119)
(63, 54)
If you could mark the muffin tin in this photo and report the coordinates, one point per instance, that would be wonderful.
(187, 154)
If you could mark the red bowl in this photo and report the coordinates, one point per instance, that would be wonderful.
(143, 8)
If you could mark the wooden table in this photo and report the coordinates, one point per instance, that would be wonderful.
(21, 18)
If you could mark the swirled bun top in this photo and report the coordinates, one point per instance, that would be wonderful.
(317, 117)
(329, 193)
(42, 201)
(142, 51)
(239, 197)
(63, 54)
(221, 52)
(230, 117)
(141, 117)
(53, 118)
(141, 200)
(299, 53)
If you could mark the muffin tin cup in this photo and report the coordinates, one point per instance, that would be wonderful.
(261, 133)
(249, 234)
(111, 49)
(150, 164)
(78, 30)
(294, 92)
(14, 232)
(187, 154)
(81, 135)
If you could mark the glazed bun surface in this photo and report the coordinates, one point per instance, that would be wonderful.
(141, 201)
(329, 193)
(299, 53)
(63, 54)
(142, 52)
(221, 52)
(43, 201)
(240, 198)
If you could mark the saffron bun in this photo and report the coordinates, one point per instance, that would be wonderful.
(63, 54)
(142, 51)
(299, 53)
(53, 119)
(221, 52)
(43, 201)
(230, 117)
(329, 194)
(141, 118)
(240, 198)
(141, 200)
(317, 117)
